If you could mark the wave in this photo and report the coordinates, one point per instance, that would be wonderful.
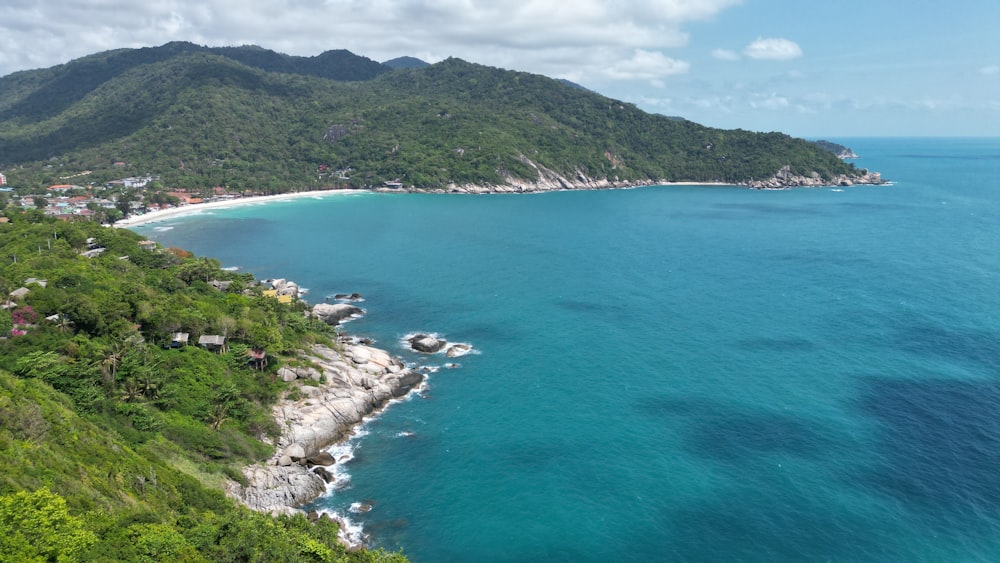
(450, 349)
(163, 229)
(351, 533)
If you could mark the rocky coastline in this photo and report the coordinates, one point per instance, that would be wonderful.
(549, 181)
(333, 391)
(784, 179)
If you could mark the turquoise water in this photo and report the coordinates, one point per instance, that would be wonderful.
(672, 373)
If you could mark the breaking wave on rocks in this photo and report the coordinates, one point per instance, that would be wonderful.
(351, 532)
(448, 348)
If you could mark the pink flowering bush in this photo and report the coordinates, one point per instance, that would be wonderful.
(24, 315)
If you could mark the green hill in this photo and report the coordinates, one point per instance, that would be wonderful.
(114, 446)
(247, 118)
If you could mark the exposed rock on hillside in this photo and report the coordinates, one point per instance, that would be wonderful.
(352, 385)
(785, 179)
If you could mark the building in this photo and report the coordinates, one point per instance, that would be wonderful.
(137, 181)
(3, 180)
(213, 343)
(179, 339)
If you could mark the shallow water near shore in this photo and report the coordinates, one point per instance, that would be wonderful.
(671, 373)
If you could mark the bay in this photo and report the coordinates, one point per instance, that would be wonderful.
(674, 372)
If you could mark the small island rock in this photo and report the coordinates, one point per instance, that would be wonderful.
(456, 350)
(426, 343)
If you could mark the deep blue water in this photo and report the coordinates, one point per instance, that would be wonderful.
(672, 373)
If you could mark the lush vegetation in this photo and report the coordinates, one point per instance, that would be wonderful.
(836, 148)
(114, 445)
(250, 119)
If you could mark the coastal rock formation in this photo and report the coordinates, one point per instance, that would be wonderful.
(456, 350)
(549, 180)
(285, 287)
(784, 178)
(354, 384)
(426, 343)
(333, 314)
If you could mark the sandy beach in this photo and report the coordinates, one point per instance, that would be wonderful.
(174, 212)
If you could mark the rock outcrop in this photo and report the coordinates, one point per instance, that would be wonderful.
(426, 343)
(549, 180)
(285, 287)
(350, 386)
(336, 313)
(784, 178)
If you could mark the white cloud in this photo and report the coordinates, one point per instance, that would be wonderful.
(725, 55)
(646, 65)
(990, 70)
(773, 49)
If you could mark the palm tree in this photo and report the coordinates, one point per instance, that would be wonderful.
(131, 390)
(219, 415)
(112, 361)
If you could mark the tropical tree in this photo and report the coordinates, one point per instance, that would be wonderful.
(37, 526)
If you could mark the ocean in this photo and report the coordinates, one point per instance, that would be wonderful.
(671, 373)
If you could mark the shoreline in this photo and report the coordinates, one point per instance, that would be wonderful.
(779, 181)
(193, 209)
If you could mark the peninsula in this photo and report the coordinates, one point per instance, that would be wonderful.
(227, 119)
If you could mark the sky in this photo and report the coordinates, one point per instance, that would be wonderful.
(810, 68)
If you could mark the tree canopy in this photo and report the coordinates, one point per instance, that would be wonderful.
(250, 119)
(114, 440)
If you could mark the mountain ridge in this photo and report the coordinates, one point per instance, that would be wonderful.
(252, 119)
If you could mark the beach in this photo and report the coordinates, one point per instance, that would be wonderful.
(175, 212)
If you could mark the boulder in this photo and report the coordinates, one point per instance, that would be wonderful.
(284, 461)
(277, 488)
(426, 343)
(287, 374)
(290, 288)
(324, 474)
(322, 458)
(295, 452)
(456, 350)
(336, 313)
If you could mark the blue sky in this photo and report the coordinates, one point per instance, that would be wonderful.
(812, 69)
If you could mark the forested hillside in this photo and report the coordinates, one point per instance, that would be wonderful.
(115, 441)
(250, 119)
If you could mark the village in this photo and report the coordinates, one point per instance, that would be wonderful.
(109, 202)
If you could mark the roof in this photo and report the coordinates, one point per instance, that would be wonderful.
(180, 337)
(20, 292)
(211, 340)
